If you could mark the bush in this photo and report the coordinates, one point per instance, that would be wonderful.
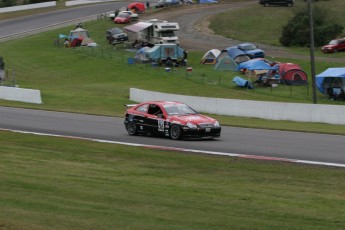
(7, 3)
(297, 31)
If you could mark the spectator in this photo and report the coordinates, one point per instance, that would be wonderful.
(2, 69)
(148, 5)
(169, 62)
(184, 60)
(66, 44)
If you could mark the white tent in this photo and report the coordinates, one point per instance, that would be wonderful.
(210, 56)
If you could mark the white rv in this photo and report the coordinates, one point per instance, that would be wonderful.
(155, 31)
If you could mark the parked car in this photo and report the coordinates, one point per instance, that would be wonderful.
(134, 16)
(173, 2)
(116, 35)
(170, 119)
(162, 3)
(123, 18)
(251, 50)
(334, 46)
(277, 2)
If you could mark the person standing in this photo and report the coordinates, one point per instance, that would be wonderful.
(2, 69)
(185, 55)
(147, 5)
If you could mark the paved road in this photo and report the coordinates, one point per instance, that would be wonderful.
(44, 21)
(256, 142)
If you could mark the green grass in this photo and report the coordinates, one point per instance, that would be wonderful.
(264, 24)
(97, 81)
(57, 183)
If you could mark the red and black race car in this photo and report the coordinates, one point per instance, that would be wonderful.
(171, 119)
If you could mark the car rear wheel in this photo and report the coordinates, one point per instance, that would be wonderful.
(175, 132)
(132, 128)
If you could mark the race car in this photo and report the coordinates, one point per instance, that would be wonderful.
(171, 119)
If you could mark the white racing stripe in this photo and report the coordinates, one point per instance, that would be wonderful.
(185, 150)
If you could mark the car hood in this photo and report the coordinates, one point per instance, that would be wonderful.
(195, 119)
(121, 19)
(119, 35)
(328, 46)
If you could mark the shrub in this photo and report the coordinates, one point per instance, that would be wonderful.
(297, 31)
(7, 3)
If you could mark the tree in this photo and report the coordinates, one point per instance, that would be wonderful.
(297, 31)
(7, 3)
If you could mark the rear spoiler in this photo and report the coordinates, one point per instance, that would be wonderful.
(128, 106)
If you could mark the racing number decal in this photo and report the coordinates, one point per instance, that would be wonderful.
(161, 125)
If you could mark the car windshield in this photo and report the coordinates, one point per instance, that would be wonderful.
(123, 15)
(116, 31)
(179, 109)
(334, 42)
(248, 47)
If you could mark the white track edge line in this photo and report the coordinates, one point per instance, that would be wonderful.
(184, 150)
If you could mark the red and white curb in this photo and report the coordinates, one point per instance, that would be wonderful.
(185, 150)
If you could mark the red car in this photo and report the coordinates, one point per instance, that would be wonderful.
(334, 46)
(123, 18)
(170, 119)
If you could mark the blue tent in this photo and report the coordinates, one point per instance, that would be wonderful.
(255, 64)
(236, 54)
(331, 78)
(163, 51)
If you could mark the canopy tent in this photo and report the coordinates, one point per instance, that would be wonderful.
(255, 64)
(331, 78)
(226, 63)
(292, 74)
(79, 32)
(255, 68)
(138, 7)
(210, 56)
(139, 26)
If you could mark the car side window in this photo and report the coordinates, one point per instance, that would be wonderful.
(154, 110)
(143, 108)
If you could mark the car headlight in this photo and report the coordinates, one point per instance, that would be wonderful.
(216, 124)
(191, 125)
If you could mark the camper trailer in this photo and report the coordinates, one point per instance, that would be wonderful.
(155, 31)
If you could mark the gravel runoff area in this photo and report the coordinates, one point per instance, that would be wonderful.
(195, 34)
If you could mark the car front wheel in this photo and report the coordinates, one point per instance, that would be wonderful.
(175, 132)
(132, 128)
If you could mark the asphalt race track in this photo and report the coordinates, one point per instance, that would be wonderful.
(250, 142)
(316, 148)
